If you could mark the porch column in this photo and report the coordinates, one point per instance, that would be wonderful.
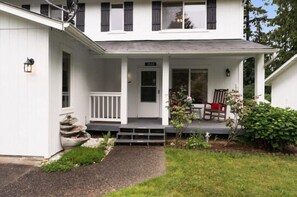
(165, 91)
(259, 78)
(240, 79)
(124, 90)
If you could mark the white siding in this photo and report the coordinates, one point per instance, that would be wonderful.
(24, 97)
(79, 85)
(229, 22)
(284, 89)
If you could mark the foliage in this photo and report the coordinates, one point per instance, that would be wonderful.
(271, 127)
(76, 157)
(105, 139)
(284, 35)
(205, 173)
(197, 140)
(180, 111)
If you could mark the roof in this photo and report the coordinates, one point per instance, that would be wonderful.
(53, 23)
(230, 46)
(280, 70)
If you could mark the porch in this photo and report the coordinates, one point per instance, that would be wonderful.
(213, 127)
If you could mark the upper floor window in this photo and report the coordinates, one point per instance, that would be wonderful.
(117, 17)
(199, 14)
(188, 15)
(26, 6)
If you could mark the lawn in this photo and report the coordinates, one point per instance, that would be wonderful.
(205, 173)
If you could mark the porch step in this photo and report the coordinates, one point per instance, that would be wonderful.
(141, 135)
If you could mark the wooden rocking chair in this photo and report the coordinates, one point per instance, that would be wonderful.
(218, 108)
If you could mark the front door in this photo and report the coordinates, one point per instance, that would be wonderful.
(149, 93)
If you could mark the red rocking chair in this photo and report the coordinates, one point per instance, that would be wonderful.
(218, 108)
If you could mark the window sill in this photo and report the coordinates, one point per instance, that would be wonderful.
(164, 31)
(117, 32)
(66, 111)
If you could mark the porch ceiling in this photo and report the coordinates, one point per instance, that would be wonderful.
(211, 47)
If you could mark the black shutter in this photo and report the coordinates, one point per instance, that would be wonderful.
(156, 15)
(65, 14)
(27, 7)
(105, 7)
(211, 14)
(44, 9)
(128, 16)
(80, 17)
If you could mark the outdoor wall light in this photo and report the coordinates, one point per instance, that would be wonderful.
(28, 65)
(228, 72)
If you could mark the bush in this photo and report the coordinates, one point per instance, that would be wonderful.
(76, 157)
(272, 127)
(197, 140)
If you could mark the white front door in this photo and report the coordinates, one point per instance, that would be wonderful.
(149, 93)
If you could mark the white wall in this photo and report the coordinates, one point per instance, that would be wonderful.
(229, 22)
(283, 92)
(79, 84)
(24, 97)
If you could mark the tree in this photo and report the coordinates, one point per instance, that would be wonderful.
(255, 18)
(284, 35)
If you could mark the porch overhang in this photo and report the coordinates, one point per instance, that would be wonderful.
(235, 47)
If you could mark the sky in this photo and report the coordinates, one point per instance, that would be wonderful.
(270, 9)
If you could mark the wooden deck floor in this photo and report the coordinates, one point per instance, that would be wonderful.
(213, 127)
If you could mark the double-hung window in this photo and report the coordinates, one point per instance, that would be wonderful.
(184, 15)
(117, 17)
(194, 81)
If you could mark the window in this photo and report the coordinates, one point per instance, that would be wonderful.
(55, 12)
(117, 17)
(179, 15)
(66, 80)
(26, 6)
(194, 81)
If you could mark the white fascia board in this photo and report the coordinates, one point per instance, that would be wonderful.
(221, 52)
(31, 16)
(81, 37)
(280, 70)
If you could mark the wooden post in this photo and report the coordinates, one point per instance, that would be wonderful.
(259, 78)
(124, 90)
(165, 91)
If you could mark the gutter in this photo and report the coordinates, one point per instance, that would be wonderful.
(78, 35)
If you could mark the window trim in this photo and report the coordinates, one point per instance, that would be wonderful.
(183, 14)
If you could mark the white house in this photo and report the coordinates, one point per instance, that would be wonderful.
(119, 63)
(283, 84)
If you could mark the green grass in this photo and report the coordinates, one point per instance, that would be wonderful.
(204, 173)
(76, 157)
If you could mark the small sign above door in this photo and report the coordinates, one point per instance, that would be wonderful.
(150, 64)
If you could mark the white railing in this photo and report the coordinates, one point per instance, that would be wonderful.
(105, 106)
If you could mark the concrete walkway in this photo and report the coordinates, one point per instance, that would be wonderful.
(124, 166)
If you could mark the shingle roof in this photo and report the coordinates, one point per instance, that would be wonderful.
(184, 46)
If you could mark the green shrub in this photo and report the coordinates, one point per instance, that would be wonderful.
(197, 140)
(76, 157)
(272, 127)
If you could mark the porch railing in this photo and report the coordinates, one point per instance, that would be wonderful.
(105, 106)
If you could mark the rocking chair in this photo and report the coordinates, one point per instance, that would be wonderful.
(218, 108)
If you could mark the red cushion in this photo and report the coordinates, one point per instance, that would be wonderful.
(216, 106)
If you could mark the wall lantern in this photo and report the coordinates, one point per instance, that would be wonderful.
(28, 65)
(228, 72)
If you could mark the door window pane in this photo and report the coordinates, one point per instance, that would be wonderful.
(117, 16)
(180, 77)
(172, 15)
(148, 86)
(199, 85)
(66, 80)
(195, 15)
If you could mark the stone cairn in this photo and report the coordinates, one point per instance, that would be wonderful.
(72, 135)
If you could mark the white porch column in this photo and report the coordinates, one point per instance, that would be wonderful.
(240, 78)
(259, 78)
(165, 91)
(124, 90)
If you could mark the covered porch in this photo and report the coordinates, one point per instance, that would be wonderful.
(136, 76)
